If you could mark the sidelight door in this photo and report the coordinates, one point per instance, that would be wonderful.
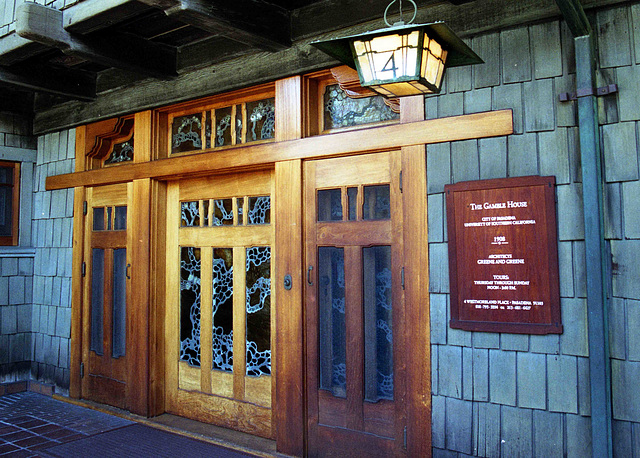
(219, 318)
(106, 296)
(355, 307)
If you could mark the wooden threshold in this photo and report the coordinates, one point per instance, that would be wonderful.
(455, 128)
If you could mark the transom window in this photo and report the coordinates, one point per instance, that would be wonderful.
(9, 202)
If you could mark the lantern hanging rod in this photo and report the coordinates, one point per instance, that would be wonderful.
(401, 21)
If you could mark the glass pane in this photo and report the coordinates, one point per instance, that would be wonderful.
(186, 133)
(378, 323)
(343, 111)
(207, 132)
(377, 204)
(120, 223)
(6, 175)
(259, 210)
(352, 194)
(97, 300)
(223, 126)
(119, 328)
(205, 212)
(122, 152)
(98, 219)
(240, 204)
(190, 214)
(190, 305)
(330, 205)
(6, 204)
(238, 124)
(109, 217)
(331, 321)
(261, 119)
(258, 305)
(223, 309)
(222, 212)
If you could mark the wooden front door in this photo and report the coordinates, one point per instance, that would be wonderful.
(355, 306)
(106, 296)
(219, 317)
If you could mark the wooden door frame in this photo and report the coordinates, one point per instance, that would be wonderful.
(286, 153)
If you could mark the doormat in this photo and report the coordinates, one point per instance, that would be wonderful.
(139, 441)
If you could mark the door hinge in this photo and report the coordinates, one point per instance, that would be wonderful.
(84, 269)
(400, 181)
(82, 371)
(402, 277)
(84, 208)
(404, 437)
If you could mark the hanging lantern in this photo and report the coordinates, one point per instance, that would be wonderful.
(402, 60)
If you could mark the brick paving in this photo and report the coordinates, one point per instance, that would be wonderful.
(30, 422)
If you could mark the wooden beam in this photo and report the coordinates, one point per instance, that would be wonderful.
(478, 125)
(45, 25)
(72, 84)
(252, 22)
(575, 17)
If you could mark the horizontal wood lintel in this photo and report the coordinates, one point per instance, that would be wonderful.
(465, 127)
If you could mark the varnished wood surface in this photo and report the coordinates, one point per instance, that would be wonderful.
(478, 125)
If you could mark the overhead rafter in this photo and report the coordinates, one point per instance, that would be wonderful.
(77, 85)
(574, 14)
(45, 25)
(252, 22)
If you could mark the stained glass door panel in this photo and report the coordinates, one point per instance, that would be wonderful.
(106, 295)
(354, 306)
(219, 318)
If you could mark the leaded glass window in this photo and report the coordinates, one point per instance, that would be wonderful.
(190, 305)
(222, 306)
(187, 133)
(258, 308)
(342, 111)
(122, 152)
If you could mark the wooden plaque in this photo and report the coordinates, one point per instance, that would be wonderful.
(503, 255)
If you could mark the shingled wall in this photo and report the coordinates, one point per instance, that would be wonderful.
(519, 395)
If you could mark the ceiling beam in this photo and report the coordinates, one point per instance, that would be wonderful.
(251, 22)
(575, 17)
(45, 25)
(70, 84)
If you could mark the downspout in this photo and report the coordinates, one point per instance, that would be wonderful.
(595, 247)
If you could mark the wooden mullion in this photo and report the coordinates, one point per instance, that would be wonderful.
(206, 326)
(355, 336)
(233, 124)
(107, 306)
(239, 321)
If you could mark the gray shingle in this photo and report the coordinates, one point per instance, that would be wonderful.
(554, 155)
(480, 374)
(450, 104)
(633, 323)
(4, 290)
(16, 290)
(467, 374)
(17, 348)
(522, 155)
(571, 218)
(430, 107)
(624, 388)
(613, 37)
(9, 315)
(510, 96)
(493, 157)
(458, 79)
(487, 74)
(458, 425)
(547, 434)
(617, 328)
(4, 347)
(546, 50)
(584, 387)
(573, 137)
(438, 268)
(631, 193)
(9, 267)
(450, 371)
(531, 370)
(566, 112)
(515, 342)
(486, 340)
(63, 322)
(439, 324)
(562, 377)
(621, 432)
(579, 269)
(565, 268)
(539, 102)
(502, 377)
(25, 266)
(516, 56)
(486, 429)
(516, 432)
(629, 87)
(435, 205)
(626, 254)
(477, 101)
(613, 210)
(573, 341)
(24, 317)
(434, 369)
(438, 167)
(578, 436)
(620, 154)
(465, 161)
(438, 421)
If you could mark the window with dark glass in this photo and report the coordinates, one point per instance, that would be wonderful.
(9, 200)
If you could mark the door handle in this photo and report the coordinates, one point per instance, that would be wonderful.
(309, 282)
(127, 273)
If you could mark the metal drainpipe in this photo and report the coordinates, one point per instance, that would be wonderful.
(596, 251)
